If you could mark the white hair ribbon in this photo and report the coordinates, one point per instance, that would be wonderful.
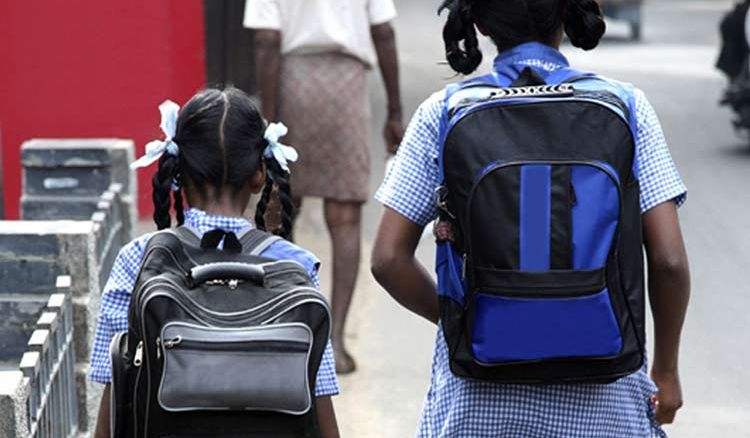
(156, 148)
(282, 153)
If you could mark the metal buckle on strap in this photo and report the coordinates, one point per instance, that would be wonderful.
(441, 195)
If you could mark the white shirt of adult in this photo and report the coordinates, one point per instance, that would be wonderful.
(322, 26)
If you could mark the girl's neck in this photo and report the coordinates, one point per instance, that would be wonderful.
(221, 210)
(226, 204)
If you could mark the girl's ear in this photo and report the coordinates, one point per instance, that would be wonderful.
(259, 179)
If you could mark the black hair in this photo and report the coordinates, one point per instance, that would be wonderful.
(220, 135)
(512, 22)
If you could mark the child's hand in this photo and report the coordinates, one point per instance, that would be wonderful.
(393, 133)
(669, 398)
(443, 232)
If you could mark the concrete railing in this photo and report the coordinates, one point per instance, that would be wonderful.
(32, 255)
(49, 366)
(78, 207)
(40, 399)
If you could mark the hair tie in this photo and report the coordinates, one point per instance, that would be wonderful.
(156, 148)
(282, 153)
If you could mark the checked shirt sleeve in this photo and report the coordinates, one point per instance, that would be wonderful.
(113, 316)
(327, 384)
(658, 176)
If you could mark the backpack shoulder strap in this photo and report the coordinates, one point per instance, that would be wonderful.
(455, 93)
(566, 74)
(482, 82)
(255, 241)
(188, 235)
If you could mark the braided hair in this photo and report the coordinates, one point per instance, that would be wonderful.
(277, 179)
(512, 22)
(220, 134)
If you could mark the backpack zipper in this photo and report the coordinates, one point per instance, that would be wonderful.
(573, 197)
(243, 313)
(190, 344)
(171, 343)
(138, 358)
(316, 300)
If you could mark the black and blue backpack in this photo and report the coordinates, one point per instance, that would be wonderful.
(544, 283)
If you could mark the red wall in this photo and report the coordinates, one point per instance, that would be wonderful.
(73, 68)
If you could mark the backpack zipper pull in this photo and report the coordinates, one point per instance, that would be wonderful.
(573, 197)
(158, 348)
(463, 267)
(138, 359)
(171, 343)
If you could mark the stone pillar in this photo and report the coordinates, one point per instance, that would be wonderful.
(63, 179)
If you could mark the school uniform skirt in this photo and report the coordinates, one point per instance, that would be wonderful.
(323, 100)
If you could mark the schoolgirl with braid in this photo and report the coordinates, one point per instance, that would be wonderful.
(218, 151)
(527, 34)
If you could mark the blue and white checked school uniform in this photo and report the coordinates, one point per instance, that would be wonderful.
(456, 407)
(113, 316)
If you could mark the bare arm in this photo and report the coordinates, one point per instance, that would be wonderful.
(267, 69)
(398, 271)
(669, 293)
(384, 38)
(327, 418)
(102, 429)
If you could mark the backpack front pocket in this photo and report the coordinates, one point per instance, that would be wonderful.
(521, 316)
(539, 239)
(255, 368)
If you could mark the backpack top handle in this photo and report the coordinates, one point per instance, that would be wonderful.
(226, 271)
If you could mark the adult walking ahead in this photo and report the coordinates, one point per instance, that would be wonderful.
(312, 57)
(545, 196)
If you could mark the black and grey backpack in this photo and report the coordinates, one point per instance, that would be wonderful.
(221, 343)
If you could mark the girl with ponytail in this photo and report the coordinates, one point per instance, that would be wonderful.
(527, 34)
(217, 152)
